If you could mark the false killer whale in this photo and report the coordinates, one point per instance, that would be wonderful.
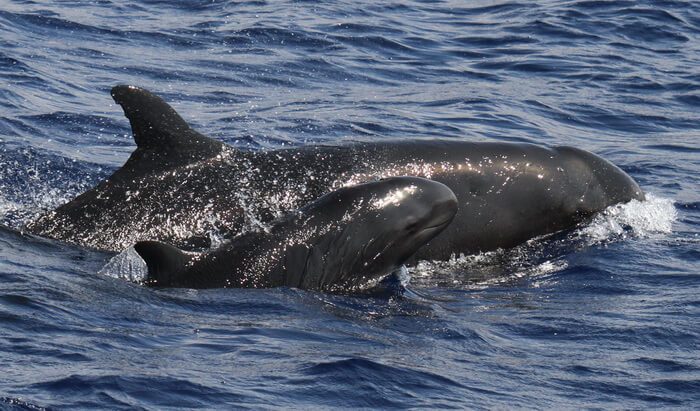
(188, 190)
(343, 241)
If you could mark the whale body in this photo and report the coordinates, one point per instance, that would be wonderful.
(184, 188)
(341, 242)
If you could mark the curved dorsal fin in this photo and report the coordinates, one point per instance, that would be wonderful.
(164, 262)
(163, 139)
(154, 123)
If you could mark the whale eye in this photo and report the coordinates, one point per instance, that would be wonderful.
(412, 226)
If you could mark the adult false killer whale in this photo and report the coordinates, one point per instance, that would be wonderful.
(344, 241)
(184, 188)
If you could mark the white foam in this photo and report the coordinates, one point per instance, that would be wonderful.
(9, 207)
(22, 203)
(639, 218)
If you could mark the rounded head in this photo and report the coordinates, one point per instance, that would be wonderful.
(374, 227)
(605, 184)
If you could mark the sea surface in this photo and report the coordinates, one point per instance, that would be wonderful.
(603, 316)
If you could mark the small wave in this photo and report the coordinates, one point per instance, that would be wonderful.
(372, 378)
(127, 265)
(489, 268)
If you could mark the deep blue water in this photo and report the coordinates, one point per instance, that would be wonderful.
(603, 316)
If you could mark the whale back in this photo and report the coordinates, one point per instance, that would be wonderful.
(339, 243)
(179, 186)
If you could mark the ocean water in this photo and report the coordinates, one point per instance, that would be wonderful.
(602, 316)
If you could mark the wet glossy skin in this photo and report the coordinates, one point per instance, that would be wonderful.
(183, 188)
(341, 242)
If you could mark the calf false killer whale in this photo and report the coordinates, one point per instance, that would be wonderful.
(186, 189)
(342, 242)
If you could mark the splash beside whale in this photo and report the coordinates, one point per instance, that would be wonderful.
(342, 242)
(184, 188)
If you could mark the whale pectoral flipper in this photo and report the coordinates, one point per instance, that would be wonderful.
(164, 262)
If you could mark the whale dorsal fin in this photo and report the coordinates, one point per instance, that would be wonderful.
(164, 262)
(163, 138)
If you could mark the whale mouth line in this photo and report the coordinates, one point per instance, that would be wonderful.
(436, 227)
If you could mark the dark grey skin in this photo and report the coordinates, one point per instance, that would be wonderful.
(342, 242)
(184, 188)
